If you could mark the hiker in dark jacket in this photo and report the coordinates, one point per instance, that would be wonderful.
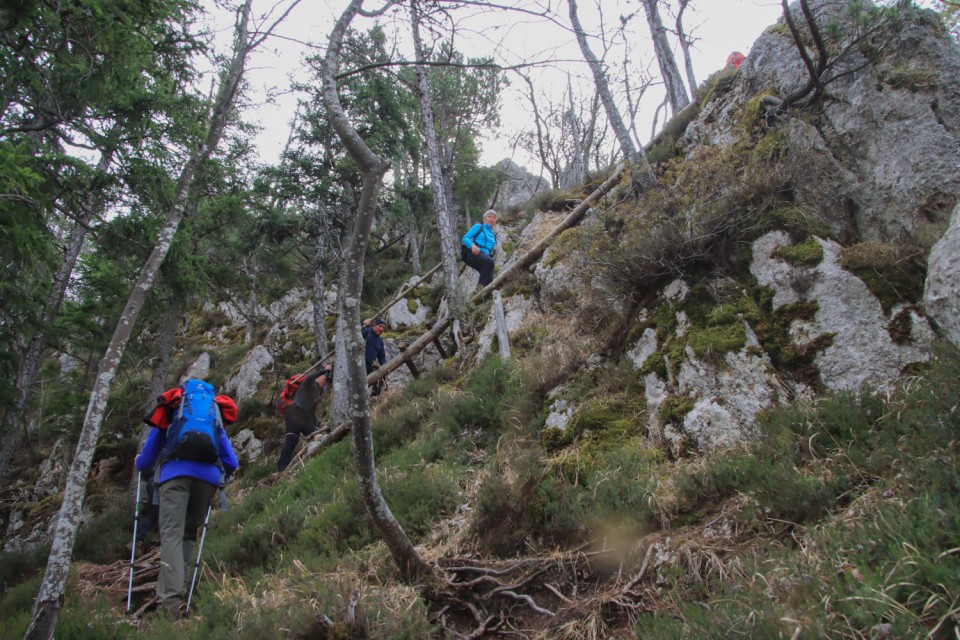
(477, 247)
(186, 489)
(300, 418)
(375, 354)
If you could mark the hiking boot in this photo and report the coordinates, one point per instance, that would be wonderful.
(176, 609)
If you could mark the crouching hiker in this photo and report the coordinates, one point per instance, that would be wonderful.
(189, 445)
(374, 353)
(478, 246)
(298, 406)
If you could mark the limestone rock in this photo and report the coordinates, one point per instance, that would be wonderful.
(519, 185)
(561, 412)
(53, 471)
(941, 294)
(880, 161)
(401, 315)
(244, 384)
(515, 311)
(247, 446)
(861, 349)
(198, 370)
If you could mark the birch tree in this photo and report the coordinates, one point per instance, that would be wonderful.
(685, 41)
(672, 79)
(635, 154)
(445, 225)
(350, 354)
(50, 597)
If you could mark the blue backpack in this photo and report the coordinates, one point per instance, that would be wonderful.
(194, 433)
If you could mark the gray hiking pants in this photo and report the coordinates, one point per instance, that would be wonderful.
(183, 506)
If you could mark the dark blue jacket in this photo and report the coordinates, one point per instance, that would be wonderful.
(204, 471)
(481, 235)
(374, 350)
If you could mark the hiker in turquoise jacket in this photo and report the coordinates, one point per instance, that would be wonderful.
(186, 489)
(477, 247)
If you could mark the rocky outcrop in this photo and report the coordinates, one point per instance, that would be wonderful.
(879, 162)
(941, 295)
(244, 384)
(247, 446)
(199, 369)
(516, 310)
(518, 185)
(861, 348)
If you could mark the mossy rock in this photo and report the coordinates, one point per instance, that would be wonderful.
(893, 277)
(674, 409)
(794, 221)
(717, 340)
(911, 79)
(654, 363)
(808, 253)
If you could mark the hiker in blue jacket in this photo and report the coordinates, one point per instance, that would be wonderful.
(477, 247)
(187, 488)
(374, 352)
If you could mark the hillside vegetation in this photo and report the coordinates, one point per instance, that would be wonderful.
(725, 415)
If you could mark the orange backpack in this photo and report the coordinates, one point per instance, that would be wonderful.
(289, 390)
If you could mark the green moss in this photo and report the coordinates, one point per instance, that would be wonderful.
(808, 253)
(717, 84)
(412, 305)
(655, 364)
(674, 409)
(893, 276)
(563, 245)
(553, 439)
(794, 221)
(911, 79)
(717, 340)
(769, 148)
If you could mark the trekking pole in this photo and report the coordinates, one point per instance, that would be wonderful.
(196, 566)
(133, 545)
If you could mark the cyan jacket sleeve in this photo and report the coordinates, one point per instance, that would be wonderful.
(151, 450)
(469, 236)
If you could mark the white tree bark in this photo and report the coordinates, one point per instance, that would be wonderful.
(445, 225)
(50, 597)
(319, 307)
(635, 154)
(578, 173)
(668, 64)
(685, 42)
(350, 360)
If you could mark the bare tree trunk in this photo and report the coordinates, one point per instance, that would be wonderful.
(158, 380)
(542, 143)
(685, 42)
(373, 168)
(635, 154)
(413, 238)
(445, 226)
(30, 365)
(50, 598)
(668, 64)
(319, 307)
(578, 174)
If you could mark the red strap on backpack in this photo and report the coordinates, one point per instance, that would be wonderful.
(163, 412)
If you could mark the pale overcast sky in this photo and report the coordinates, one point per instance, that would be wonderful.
(720, 26)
